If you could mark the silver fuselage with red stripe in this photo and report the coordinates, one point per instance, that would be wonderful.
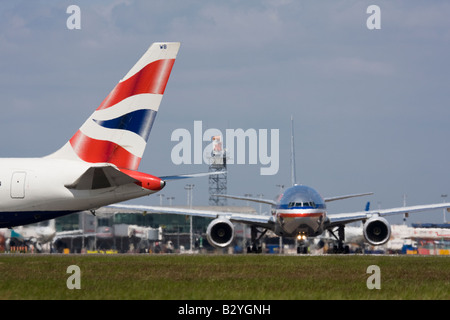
(300, 211)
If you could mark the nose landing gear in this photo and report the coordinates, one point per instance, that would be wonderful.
(302, 248)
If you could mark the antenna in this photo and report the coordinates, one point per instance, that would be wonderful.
(218, 182)
(293, 175)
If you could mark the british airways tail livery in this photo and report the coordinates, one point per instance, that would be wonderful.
(118, 130)
(98, 165)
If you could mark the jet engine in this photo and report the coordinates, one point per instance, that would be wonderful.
(220, 233)
(377, 231)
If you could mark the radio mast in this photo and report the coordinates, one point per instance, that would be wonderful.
(217, 182)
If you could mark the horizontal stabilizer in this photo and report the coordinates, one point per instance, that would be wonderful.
(101, 177)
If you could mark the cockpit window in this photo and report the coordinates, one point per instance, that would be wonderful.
(306, 204)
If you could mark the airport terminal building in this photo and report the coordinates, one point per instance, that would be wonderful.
(130, 231)
(110, 230)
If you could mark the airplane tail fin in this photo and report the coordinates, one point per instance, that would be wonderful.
(118, 130)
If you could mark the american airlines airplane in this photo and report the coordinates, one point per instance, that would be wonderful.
(98, 165)
(300, 213)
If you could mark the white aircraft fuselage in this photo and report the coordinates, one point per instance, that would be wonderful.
(36, 189)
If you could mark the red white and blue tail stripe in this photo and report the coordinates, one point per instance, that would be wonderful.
(118, 130)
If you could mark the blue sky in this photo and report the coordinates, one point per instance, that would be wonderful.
(371, 107)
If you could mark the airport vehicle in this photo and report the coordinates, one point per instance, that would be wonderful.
(34, 237)
(300, 212)
(98, 165)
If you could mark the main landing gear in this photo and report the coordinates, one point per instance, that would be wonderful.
(256, 235)
(340, 247)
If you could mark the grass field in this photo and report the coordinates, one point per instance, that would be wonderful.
(223, 277)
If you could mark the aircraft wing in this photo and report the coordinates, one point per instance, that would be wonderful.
(347, 196)
(97, 177)
(247, 218)
(344, 218)
(259, 200)
(274, 203)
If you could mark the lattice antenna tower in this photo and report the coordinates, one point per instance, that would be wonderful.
(217, 182)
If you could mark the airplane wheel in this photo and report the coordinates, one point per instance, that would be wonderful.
(302, 250)
(254, 249)
(341, 249)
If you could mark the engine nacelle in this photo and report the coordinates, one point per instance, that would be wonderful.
(377, 231)
(220, 233)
